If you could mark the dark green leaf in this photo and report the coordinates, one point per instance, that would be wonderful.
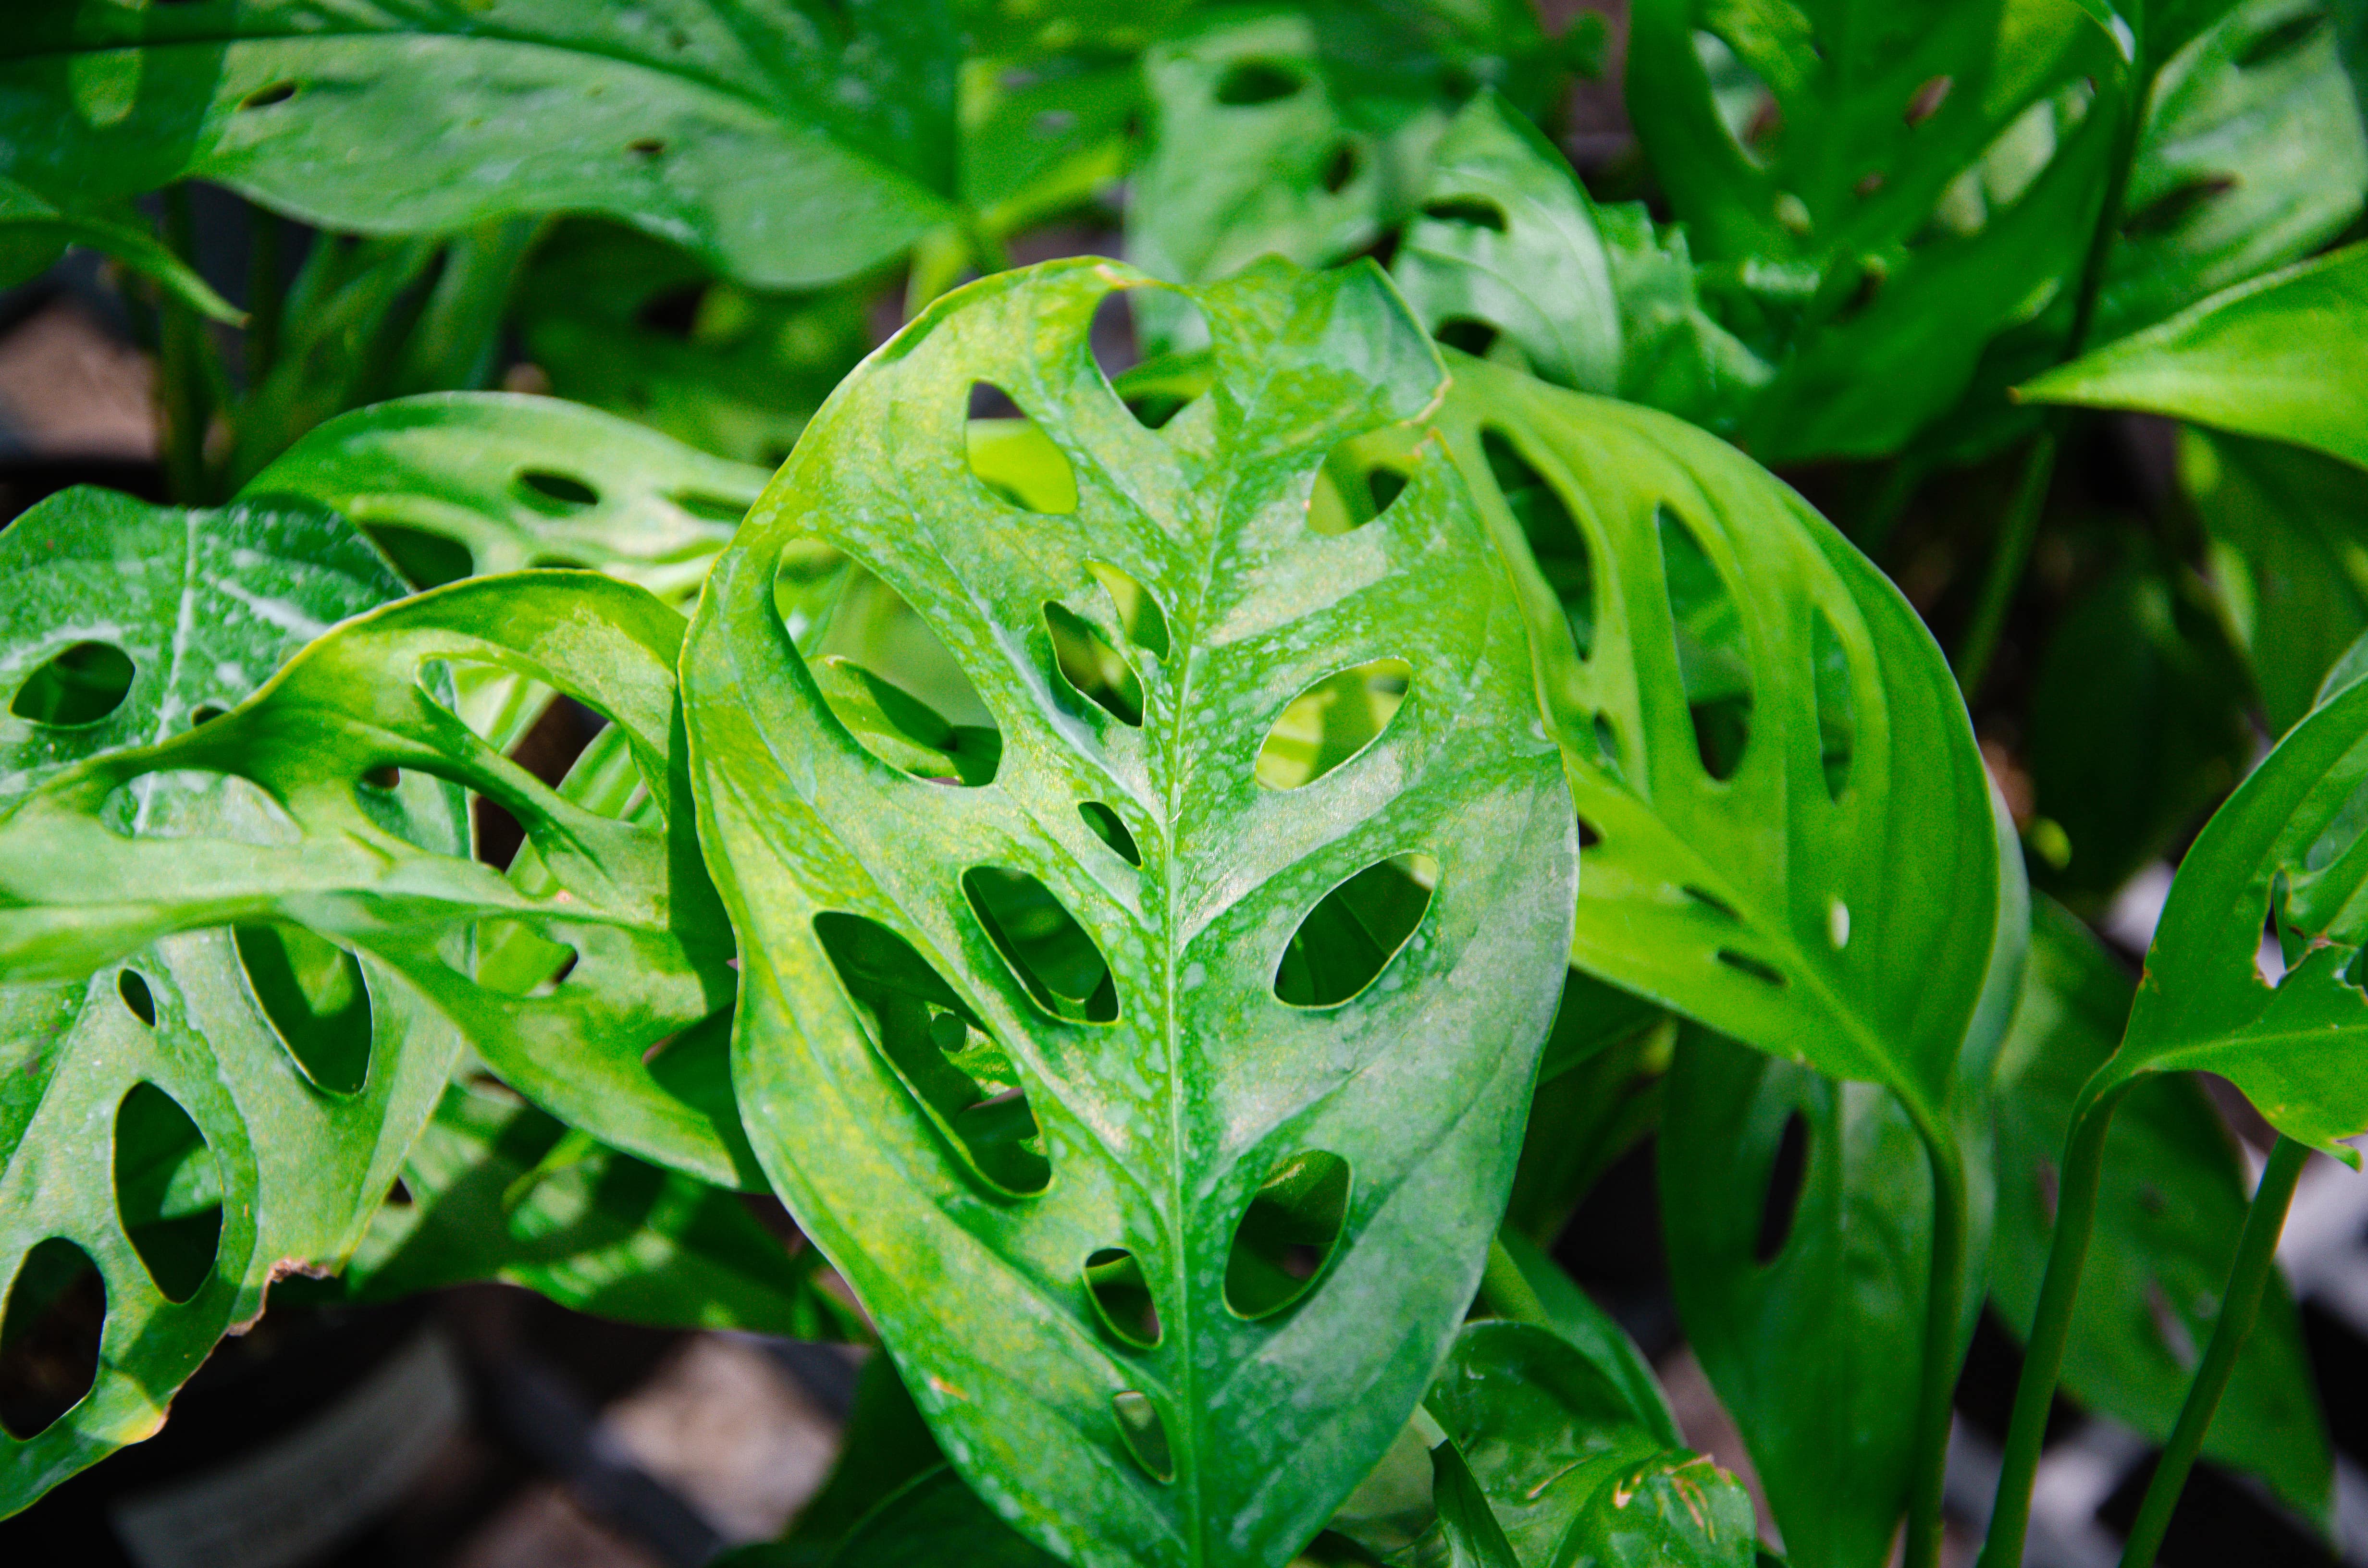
(2173, 1202)
(1473, 1538)
(516, 481)
(33, 231)
(882, 1034)
(384, 118)
(1595, 1335)
(326, 756)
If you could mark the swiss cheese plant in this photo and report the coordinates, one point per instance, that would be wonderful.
(1180, 814)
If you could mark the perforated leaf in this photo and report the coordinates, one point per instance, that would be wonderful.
(1790, 834)
(2167, 1224)
(604, 940)
(389, 117)
(2286, 852)
(154, 1114)
(1210, 1249)
(516, 481)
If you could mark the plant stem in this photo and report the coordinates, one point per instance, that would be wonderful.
(2005, 572)
(1929, 1472)
(1508, 1291)
(2256, 1255)
(265, 293)
(2051, 1326)
(181, 387)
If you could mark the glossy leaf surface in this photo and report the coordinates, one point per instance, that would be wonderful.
(494, 1189)
(896, 992)
(289, 1171)
(382, 118)
(518, 481)
(2284, 358)
(33, 231)
(1834, 898)
(2167, 1224)
(352, 728)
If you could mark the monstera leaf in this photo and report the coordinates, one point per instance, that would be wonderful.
(387, 117)
(1898, 190)
(495, 1190)
(2284, 358)
(34, 233)
(456, 483)
(1195, 1073)
(2286, 850)
(2167, 1225)
(603, 941)
(217, 1108)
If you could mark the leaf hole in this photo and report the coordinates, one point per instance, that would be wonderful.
(1713, 660)
(1332, 722)
(1090, 669)
(2176, 208)
(1472, 211)
(1349, 939)
(314, 995)
(204, 713)
(425, 559)
(1757, 968)
(385, 776)
(1288, 1235)
(1466, 335)
(2170, 1329)
(1750, 112)
(962, 1079)
(709, 507)
(1607, 743)
(1249, 83)
(1363, 478)
(514, 959)
(77, 686)
(550, 490)
(264, 98)
(1836, 708)
(134, 988)
(647, 147)
(1711, 901)
(1121, 1297)
(2276, 43)
(1341, 168)
(1589, 838)
(1154, 387)
(1780, 1204)
(1139, 615)
(167, 1191)
(930, 721)
(50, 1337)
(1144, 1434)
(1012, 457)
(1926, 101)
(1112, 829)
(673, 312)
(1053, 957)
(1555, 543)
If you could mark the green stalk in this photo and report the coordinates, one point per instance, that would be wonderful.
(180, 375)
(2051, 1326)
(1506, 1289)
(1928, 1471)
(265, 293)
(2247, 1275)
(2005, 572)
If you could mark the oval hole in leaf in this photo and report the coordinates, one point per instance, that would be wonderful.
(1249, 83)
(961, 1078)
(314, 993)
(1836, 710)
(929, 719)
(1758, 968)
(1466, 335)
(1049, 952)
(264, 98)
(1139, 615)
(1555, 543)
(1782, 1202)
(711, 509)
(1110, 828)
(1360, 478)
(425, 559)
(1121, 1297)
(168, 1190)
(548, 490)
(1332, 722)
(1926, 101)
(1472, 211)
(50, 1337)
(2176, 208)
(1746, 106)
(1288, 1235)
(1144, 1434)
(1711, 658)
(1091, 668)
(1011, 455)
(1341, 168)
(1352, 935)
(77, 686)
(2275, 42)
(134, 988)
(516, 959)
(1110, 337)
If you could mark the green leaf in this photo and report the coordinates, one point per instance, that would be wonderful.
(2138, 723)
(1598, 1094)
(1890, 197)
(2289, 558)
(383, 118)
(2167, 1222)
(639, 327)
(155, 1115)
(1572, 1315)
(2285, 852)
(33, 231)
(2252, 157)
(1789, 829)
(2284, 358)
(516, 481)
(1808, 1318)
(363, 719)
(1473, 1538)
(916, 951)
(488, 1194)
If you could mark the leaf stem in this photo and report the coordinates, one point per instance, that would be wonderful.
(265, 293)
(1944, 1301)
(2005, 574)
(2239, 1303)
(181, 384)
(2050, 1325)
(1508, 1291)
